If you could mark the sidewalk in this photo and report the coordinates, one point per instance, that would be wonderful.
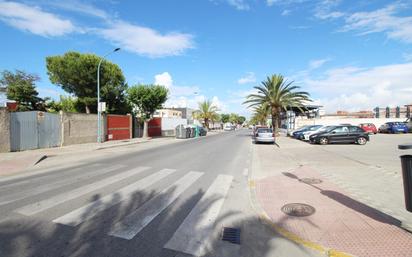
(339, 226)
(15, 162)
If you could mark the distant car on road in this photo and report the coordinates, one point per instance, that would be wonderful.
(369, 128)
(264, 135)
(228, 127)
(393, 127)
(340, 134)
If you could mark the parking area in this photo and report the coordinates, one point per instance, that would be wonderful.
(371, 173)
(381, 151)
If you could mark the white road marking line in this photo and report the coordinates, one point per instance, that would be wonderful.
(64, 182)
(136, 221)
(245, 172)
(40, 206)
(88, 211)
(195, 234)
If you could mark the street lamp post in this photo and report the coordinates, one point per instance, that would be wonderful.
(98, 94)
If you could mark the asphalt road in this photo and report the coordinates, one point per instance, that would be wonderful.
(170, 200)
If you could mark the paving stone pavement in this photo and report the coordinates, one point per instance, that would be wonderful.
(339, 222)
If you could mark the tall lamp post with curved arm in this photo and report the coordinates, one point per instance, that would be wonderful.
(98, 94)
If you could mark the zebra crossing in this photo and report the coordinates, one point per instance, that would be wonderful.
(194, 234)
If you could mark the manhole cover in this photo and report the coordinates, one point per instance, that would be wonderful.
(298, 209)
(310, 180)
(231, 235)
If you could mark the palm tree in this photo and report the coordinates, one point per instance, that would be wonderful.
(207, 111)
(277, 95)
(260, 114)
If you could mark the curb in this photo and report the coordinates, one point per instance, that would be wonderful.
(264, 217)
(123, 144)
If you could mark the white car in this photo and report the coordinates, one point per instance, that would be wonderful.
(307, 134)
(228, 127)
(264, 135)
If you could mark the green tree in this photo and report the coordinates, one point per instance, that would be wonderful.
(241, 120)
(225, 117)
(147, 99)
(277, 95)
(216, 117)
(207, 110)
(65, 104)
(233, 118)
(20, 86)
(76, 74)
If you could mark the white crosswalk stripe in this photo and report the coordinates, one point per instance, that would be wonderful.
(195, 234)
(40, 206)
(88, 211)
(45, 188)
(137, 220)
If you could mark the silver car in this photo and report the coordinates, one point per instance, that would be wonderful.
(264, 135)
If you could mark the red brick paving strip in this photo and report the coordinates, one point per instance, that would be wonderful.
(340, 222)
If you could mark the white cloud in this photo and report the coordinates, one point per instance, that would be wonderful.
(382, 20)
(329, 15)
(285, 2)
(315, 64)
(239, 4)
(179, 96)
(80, 7)
(324, 10)
(146, 41)
(34, 20)
(248, 78)
(285, 12)
(354, 88)
(164, 79)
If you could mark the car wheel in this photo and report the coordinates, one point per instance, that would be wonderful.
(361, 141)
(323, 141)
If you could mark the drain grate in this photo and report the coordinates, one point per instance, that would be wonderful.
(231, 235)
(298, 209)
(310, 180)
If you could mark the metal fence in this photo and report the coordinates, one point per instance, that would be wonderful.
(32, 130)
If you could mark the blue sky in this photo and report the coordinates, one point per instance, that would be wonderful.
(350, 55)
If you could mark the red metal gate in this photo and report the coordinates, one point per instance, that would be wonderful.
(155, 127)
(119, 127)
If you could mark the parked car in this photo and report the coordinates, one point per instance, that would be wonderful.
(264, 135)
(393, 127)
(202, 131)
(340, 134)
(299, 134)
(369, 128)
(409, 124)
(307, 134)
(290, 132)
(254, 132)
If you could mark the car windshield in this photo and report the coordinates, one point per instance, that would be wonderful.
(265, 130)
